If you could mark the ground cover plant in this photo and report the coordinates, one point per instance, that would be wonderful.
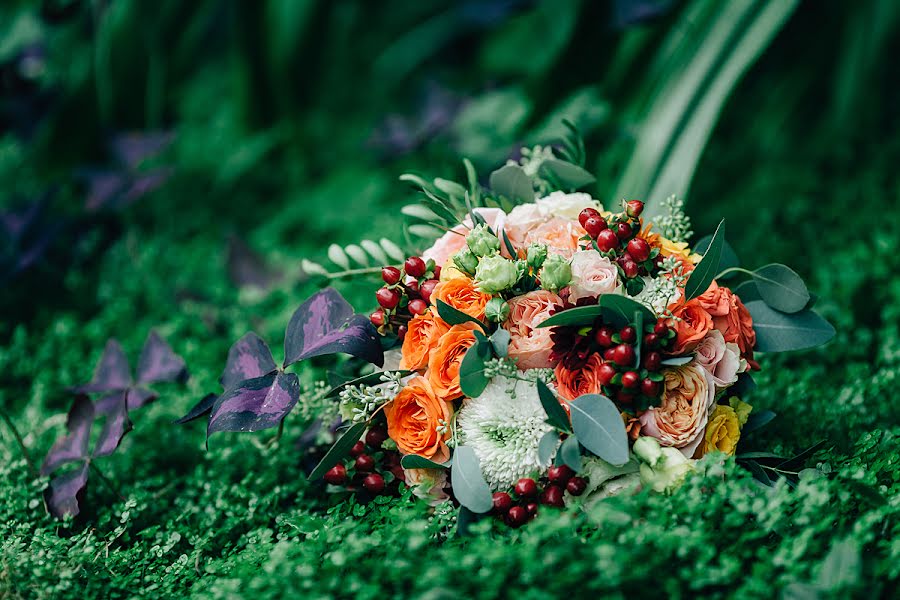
(802, 156)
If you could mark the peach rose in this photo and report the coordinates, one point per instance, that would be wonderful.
(413, 419)
(688, 398)
(455, 240)
(529, 344)
(422, 336)
(521, 220)
(445, 359)
(428, 484)
(720, 359)
(461, 294)
(561, 236)
(592, 275)
(586, 380)
(691, 325)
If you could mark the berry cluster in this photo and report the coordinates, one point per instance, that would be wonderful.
(370, 468)
(521, 505)
(615, 237)
(406, 293)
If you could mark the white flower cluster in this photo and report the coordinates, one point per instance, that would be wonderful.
(661, 291)
(504, 429)
(359, 402)
(675, 225)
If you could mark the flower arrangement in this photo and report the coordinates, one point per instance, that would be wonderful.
(544, 348)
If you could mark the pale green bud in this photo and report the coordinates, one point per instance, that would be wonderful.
(556, 273)
(537, 254)
(668, 472)
(482, 242)
(497, 310)
(465, 261)
(647, 449)
(496, 274)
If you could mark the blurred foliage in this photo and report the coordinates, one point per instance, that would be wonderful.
(289, 122)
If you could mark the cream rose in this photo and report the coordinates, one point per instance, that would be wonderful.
(688, 399)
(427, 484)
(521, 220)
(567, 206)
(592, 275)
(529, 344)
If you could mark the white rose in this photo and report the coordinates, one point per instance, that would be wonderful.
(521, 220)
(567, 206)
(592, 275)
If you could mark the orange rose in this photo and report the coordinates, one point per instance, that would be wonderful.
(586, 380)
(682, 417)
(730, 316)
(462, 295)
(413, 418)
(445, 359)
(422, 336)
(529, 344)
(691, 326)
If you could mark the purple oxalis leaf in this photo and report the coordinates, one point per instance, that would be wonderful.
(112, 372)
(248, 358)
(198, 410)
(64, 494)
(158, 362)
(117, 423)
(133, 148)
(139, 397)
(74, 445)
(325, 324)
(247, 268)
(255, 404)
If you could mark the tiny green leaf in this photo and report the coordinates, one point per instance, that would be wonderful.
(705, 271)
(469, 485)
(370, 379)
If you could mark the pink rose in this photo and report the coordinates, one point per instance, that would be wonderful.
(529, 344)
(717, 359)
(521, 220)
(455, 240)
(561, 236)
(427, 484)
(681, 419)
(592, 275)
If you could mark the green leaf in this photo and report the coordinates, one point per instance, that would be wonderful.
(747, 291)
(464, 521)
(570, 453)
(781, 288)
(705, 271)
(453, 316)
(512, 181)
(841, 567)
(370, 379)
(797, 461)
(729, 257)
(339, 450)
(472, 379)
(620, 310)
(780, 332)
(677, 361)
(568, 176)
(414, 461)
(509, 245)
(547, 447)
(556, 414)
(639, 328)
(599, 427)
(757, 420)
(580, 315)
(500, 342)
(469, 485)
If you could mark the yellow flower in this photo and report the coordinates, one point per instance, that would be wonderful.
(449, 272)
(723, 431)
(670, 248)
(742, 409)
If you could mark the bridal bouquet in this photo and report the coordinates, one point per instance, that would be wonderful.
(544, 347)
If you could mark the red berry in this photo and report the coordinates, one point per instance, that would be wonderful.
(388, 298)
(649, 388)
(609, 355)
(634, 208)
(426, 289)
(576, 486)
(630, 379)
(502, 502)
(639, 249)
(516, 516)
(391, 275)
(364, 463)
(560, 474)
(415, 266)
(391, 459)
(374, 483)
(412, 287)
(553, 496)
(377, 318)
(401, 332)
(631, 268)
(531, 507)
(336, 475)
(623, 355)
(594, 225)
(607, 240)
(624, 397)
(628, 334)
(660, 328)
(417, 307)
(623, 231)
(437, 273)
(526, 488)
(650, 340)
(376, 437)
(605, 373)
(586, 214)
(358, 448)
(652, 361)
(603, 337)
(398, 472)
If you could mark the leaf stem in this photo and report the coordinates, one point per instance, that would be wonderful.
(19, 440)
(731, 270)
(353, 272)
(106, 481)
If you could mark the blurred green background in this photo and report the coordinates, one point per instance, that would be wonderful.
(168, 164)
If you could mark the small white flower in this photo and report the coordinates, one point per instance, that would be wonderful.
(567, 206)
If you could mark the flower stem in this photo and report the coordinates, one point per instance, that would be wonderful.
(735, 270)
(19, 441)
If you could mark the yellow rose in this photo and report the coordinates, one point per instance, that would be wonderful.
(448, 273)
(723, 431)
(670, 248)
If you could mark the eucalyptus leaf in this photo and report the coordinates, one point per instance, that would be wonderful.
(500, 341)
(414, 461)
(556, 414)
(472, 379)
(512, 181)
(705, 271)
(599, 427)
(781, 332)
(570, 453)
(338, 451)
(677, 361)
(570, 177)
(781, 288)
(469, 485)
(547, 447)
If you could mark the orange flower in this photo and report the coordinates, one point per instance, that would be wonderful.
(586, 380)
(445, 359)
(461, 294)
(691, 326)
(413, 418)
(422, 336)
(730, 316)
